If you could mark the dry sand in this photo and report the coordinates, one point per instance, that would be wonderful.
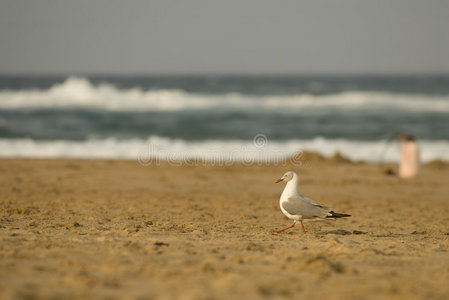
(117, 229)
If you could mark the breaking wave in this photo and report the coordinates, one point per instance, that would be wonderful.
(213, 150)
(79, 92)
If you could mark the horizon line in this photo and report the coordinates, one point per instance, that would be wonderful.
(224, 74)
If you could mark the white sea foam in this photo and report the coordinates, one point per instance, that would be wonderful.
(218, 151)
(80, 93)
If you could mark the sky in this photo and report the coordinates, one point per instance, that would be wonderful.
(224, 37)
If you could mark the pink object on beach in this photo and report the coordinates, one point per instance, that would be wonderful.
(409, 166)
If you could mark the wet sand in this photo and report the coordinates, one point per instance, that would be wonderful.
(77, 229)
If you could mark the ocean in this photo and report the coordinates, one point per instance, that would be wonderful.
(222, 118)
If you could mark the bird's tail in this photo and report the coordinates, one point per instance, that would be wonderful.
(334, 215)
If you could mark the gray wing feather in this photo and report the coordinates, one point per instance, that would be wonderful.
(305, 208)
(310, 201)
(302, 198)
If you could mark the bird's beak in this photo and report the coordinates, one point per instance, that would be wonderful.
(277, 181)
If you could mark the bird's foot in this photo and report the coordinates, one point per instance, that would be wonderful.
(293, 225)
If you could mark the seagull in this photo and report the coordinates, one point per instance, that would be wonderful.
(298, 208)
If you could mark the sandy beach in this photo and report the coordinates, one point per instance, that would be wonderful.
(90, 229)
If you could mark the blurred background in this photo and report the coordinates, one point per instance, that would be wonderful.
(115, 79)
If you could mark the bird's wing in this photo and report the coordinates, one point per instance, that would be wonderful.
(310, 201)
(304, 208)
(305, 199)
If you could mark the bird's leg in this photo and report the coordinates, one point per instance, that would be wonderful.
(303, 229)
(293, 225)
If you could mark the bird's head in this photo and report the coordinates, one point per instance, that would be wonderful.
(286, 177)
